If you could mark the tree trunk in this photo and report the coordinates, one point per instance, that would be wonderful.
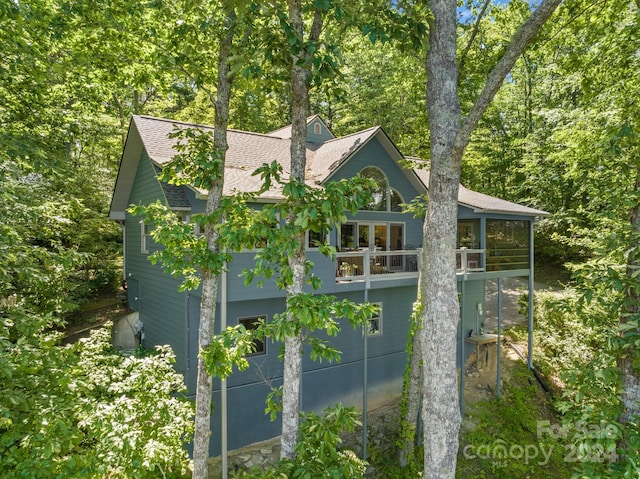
(630, 375)
(292, 375)
(202, 432)
(300, 72)
(440, 413)
(449, 137)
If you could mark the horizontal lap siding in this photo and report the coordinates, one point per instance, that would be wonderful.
(161, 305)
(474, 294)
(323, 383)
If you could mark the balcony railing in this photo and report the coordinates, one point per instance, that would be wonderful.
(368, 265)
(470, 261)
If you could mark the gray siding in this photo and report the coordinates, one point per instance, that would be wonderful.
(157, 298)
(324, 135)
(373, 154)
(171, 317)
(247, 391)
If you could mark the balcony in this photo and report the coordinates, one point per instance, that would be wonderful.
(470, 261)
(366, 265)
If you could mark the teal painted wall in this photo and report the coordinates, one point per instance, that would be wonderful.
(318, 138)
(373, 154)
(247, 391)
(161, 305)
(172, 318)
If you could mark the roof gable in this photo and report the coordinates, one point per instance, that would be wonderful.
(248, 151)
(317, 131)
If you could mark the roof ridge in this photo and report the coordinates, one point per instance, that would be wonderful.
(201, 125)
(353, 134)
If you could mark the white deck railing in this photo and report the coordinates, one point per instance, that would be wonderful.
(371, 265)
(470, 261)
(366, 265)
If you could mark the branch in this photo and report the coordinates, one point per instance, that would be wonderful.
(474, 33)
(316, 27)
(520, 40)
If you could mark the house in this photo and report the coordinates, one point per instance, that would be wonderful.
(377, 260)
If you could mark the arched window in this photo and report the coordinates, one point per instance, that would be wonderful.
(384, 197)
(379, 193)
(396, 201)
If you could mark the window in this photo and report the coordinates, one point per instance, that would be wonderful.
(251, 323)
(317, 128)
(348, 236)
(198, 227)
(380, 192)
(375, 322)
(396, 201)
(507, 245)
(315, 239)
(384, 197)
(469, 234)
(145, 237)
(372, 236)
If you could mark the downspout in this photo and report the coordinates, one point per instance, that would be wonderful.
(223, 382)
(530, 305)
(462, 337)
(499, 346)
(365, 334)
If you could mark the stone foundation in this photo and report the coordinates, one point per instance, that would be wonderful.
(382, 429)
(258, 454)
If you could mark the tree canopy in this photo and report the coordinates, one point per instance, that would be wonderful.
(561, 135)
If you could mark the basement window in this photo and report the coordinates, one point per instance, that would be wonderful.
(251, 323)
(375, 322)
(145, 237)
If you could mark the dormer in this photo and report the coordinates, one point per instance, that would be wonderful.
(317, 131)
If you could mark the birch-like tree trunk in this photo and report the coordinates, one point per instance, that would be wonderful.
(292, 375)
(449, 137)
(210, 279)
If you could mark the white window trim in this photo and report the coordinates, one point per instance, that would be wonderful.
(306, 241)
(145, 237)
(372, 224)
(389, 207)
(388, 188)
(379, 318)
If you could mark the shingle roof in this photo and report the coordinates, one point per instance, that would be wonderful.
(248, 151)
(328, 157)
(176, 195)
(482, 202)
(285, 131)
